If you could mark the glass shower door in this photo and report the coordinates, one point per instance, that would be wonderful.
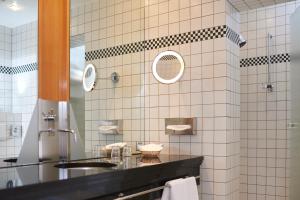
(295, 107)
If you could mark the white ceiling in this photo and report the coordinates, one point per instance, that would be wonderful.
(243, 5)
(27, 14)
(29, 10)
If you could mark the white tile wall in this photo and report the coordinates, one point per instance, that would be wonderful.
(5, 60)
(24, 95)
(24, 44)
(107, 24)
(9, 145)
(209, 89)
(5, 46)
(264, 116)
(18, 92)
(5, 92)
(24, 85)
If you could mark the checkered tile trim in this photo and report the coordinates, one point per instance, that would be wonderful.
(233, 36)
(280, 58)
(115, 51)
(263, 60)
(24, 68)
(18, 69)
(182, 38)
(5, 70)
(168, 57)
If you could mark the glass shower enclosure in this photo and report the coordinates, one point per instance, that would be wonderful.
(295, 107)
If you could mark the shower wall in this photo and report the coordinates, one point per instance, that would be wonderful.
(265, 115)
(5, 64)
(25, 74)
(18, 84)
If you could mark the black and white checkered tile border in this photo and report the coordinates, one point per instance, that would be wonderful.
(182, 38)
(263, 60)
(19, 69)
(24, 68)
(5, 70)
(172, 40)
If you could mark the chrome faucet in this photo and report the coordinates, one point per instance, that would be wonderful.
(52, 131)
(70, 131)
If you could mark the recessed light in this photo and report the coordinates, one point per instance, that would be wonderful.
(14, 6)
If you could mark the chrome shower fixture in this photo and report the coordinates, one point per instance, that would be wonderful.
(115, 77)
(242, 41)
(269, 85)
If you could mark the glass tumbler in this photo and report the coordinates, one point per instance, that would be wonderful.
(127, 151)
(115, 152)
(96, 152)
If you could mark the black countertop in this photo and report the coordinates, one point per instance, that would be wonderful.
(41, 180)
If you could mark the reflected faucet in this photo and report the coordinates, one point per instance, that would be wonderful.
(52, 131)
(70, 131)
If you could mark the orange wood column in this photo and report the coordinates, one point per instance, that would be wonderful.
(54, 50)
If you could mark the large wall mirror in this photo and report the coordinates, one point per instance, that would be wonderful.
(113, 111)
(18, 72)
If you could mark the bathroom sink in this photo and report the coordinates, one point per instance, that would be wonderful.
(85, 165)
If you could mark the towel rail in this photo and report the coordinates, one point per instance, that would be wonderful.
(122, 197)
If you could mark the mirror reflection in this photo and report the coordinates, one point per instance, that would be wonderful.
(89, 78)
(18, 72)
(112, 114)
(168, 67)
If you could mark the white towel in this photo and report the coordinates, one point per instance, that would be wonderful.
(181, 189)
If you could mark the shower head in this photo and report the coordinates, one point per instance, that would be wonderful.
(242, 41)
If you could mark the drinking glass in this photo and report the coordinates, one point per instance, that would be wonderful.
(115, 152)
(96, 151)
(127, 151)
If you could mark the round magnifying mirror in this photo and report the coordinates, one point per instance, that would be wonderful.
(168, 67)
(89, 78)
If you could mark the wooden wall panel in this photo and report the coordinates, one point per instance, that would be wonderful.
(54, 49)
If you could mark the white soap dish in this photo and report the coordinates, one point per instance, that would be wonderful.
(150, 150)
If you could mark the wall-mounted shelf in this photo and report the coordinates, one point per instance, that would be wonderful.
(180, 126)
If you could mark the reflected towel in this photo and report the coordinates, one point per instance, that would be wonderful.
(181, 189)
(108, 129)
(179, 127)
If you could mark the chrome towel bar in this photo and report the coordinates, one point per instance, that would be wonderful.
(122, 197)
